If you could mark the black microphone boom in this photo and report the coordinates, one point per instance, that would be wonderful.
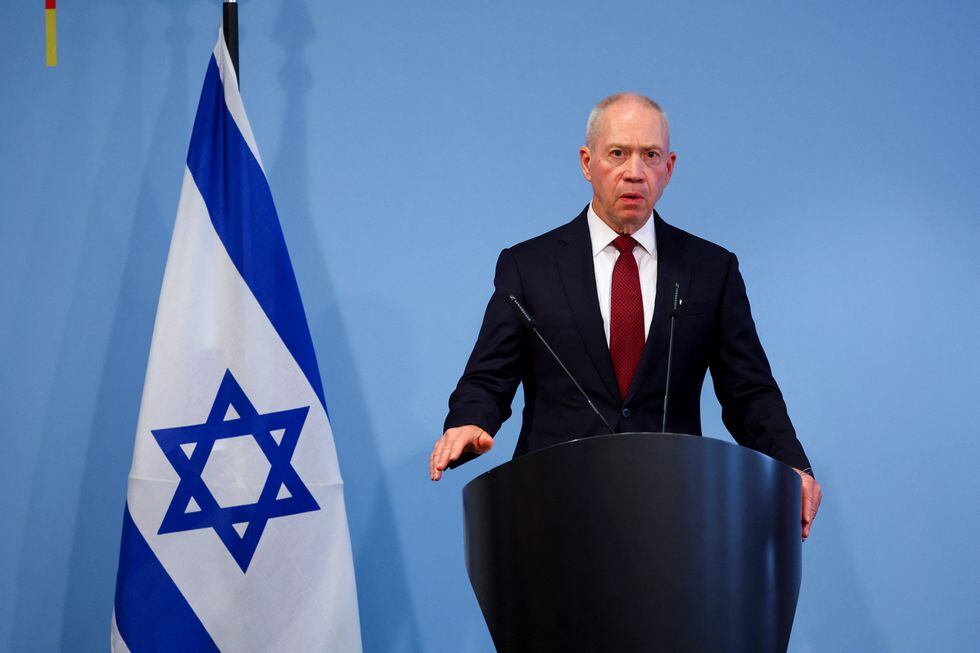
(674, 311)
(529, 323)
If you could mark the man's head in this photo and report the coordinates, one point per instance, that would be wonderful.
(627, 158)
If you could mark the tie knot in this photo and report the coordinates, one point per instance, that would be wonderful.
(624, 244)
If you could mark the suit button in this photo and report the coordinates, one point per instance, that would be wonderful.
(626, 412)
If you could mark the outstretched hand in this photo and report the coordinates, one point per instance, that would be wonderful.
(453, 443)
(812, 495)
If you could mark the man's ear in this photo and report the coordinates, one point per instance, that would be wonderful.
(585, 157)
(671, 160)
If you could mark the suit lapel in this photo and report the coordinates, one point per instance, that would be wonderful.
(574, 255)
(670, 269)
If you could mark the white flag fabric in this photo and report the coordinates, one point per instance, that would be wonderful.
(235, 534)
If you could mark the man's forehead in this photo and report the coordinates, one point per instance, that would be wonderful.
(632, 124)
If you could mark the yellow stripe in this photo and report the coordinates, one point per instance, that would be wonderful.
(51, 37)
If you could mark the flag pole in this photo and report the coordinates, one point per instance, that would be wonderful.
(229, 22)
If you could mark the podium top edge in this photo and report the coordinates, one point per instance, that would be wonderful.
(593, 439)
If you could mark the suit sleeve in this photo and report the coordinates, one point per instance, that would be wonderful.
(493, 372)
(753, 409)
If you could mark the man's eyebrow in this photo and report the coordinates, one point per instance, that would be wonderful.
(620, 146)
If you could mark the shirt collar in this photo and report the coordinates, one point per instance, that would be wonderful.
(602, 234)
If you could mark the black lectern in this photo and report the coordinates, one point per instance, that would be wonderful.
(636, 542)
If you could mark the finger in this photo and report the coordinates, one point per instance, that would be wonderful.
(436, 458)
(451, 450)
(811, 501)
(442, 453)
(805, 508)
(483, 443)
(456, 450)
(809, 513)
(433, 472)
(479, 443)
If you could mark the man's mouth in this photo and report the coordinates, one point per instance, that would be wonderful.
(631, 197)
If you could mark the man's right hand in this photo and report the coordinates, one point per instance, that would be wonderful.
(453, 443)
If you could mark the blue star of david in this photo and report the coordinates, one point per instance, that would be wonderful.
(190, 467)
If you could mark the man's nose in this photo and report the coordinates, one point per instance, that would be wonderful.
(634, 168)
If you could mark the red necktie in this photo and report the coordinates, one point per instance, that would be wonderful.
(626, 335)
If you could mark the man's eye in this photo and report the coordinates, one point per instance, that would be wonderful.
(616, 154)
(654, 156)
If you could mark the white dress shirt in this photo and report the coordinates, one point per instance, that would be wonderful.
(604, 257)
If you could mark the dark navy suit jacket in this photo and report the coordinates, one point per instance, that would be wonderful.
(554, 278)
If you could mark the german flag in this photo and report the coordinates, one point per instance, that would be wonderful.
(50, 33)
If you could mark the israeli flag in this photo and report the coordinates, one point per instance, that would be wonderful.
(234, 535)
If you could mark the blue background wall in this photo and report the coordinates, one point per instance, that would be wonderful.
(832, 146)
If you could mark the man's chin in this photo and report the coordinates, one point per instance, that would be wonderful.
(632, 219)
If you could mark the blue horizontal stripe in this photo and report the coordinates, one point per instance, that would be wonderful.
(239, 201)
(151, 613)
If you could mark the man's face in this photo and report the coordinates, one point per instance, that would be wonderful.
(628, 164)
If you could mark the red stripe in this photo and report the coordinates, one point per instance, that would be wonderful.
(49, 4)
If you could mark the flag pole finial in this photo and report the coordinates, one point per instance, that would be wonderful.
(229, 24)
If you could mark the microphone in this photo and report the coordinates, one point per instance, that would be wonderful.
(528, 321)
(675, 310)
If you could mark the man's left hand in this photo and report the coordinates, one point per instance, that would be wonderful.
(812, 495)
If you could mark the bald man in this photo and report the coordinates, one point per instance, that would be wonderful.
(600, 288)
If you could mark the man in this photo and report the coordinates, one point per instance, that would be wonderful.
(601, 289)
